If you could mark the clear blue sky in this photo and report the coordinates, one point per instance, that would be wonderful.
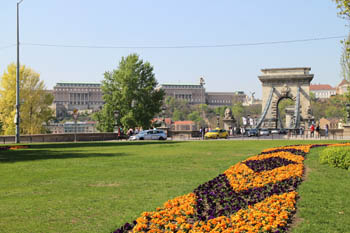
(171, 23)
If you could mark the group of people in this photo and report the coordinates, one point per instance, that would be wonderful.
(317, 129)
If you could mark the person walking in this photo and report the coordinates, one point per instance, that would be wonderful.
(312, 130)
(318, 130)
(326, 130)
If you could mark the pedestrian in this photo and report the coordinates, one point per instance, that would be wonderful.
(326, 130)
(201, 132)
(312, 130)
(318, 130)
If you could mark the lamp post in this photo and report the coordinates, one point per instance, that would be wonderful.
(17, 81)
(163, 114)
(75, 117)
(116, 116)
(347, 106)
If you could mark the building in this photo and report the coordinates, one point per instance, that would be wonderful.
(196, 94)
(224, 98)
(69, 127)
(343, 87)
(82, 96)
(184, 126)
(323, 91)
(192, 93)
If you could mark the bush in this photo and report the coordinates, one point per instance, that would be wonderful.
(336, 157)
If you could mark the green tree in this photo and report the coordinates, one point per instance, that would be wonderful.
(35, 101)
(132, 90)
(238, 112)
(344, 8)
(194, 116)
(178, 115)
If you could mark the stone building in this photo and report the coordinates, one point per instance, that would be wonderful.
(193, 93)
(323, 91)
(343, 87)
(196, 94)
(82, 96)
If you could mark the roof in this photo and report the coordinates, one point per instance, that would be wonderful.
(179, 84)
(288, 68)
(184, 123)
(343, 82)
(318, 87)
(79, 83)
(167, 120)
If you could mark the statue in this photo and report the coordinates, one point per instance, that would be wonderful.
(228, 114)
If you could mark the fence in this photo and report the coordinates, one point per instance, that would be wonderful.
(60, 137)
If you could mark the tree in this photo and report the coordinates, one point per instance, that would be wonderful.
(344, 8)
(345, 59)
(132, 90)
(238, 112)
(35, 101)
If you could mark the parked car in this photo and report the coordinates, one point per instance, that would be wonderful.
(216, 133)
(279, 131)
(264, 132)
(252, 132)
(149, 135)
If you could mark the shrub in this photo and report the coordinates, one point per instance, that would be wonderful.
(336, 157)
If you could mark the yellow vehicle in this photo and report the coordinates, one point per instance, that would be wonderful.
(216, 133)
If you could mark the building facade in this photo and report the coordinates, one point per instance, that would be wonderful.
(323, 91)
(196, 94)
(343, 87)
(70, 127)
(82, 96)
(192, 93)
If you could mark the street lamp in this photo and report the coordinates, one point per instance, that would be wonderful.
(17, 81)
(347, 106)
(163, 114)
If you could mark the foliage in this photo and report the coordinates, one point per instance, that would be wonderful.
(131, 90)
(345, 59)
(324, 202)
(336, 157)
(282, 106)
(344, 8)
(333, 107)
(238, 112)
(35, 101)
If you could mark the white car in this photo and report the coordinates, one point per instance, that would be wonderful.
(264, 132)
(149, 135)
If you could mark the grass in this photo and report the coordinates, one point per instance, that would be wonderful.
(324, 205)
(96, 187)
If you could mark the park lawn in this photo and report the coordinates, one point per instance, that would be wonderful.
(97, 187)
(324, 205)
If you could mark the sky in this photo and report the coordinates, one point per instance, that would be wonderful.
(159, 23)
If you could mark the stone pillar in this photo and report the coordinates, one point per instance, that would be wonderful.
(228, 123)
(346, 132)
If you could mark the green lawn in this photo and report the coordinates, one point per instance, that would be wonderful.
(324, 206)
(96, 187)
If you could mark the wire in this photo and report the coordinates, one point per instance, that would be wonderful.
(183, 46)
(8, 46)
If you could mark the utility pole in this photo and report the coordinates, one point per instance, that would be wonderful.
(17, 80)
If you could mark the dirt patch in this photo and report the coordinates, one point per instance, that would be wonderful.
(295, 222)
(104, 185)
(307, 171)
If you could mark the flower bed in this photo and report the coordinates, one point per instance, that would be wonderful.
(13, 147)
(255, 195)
